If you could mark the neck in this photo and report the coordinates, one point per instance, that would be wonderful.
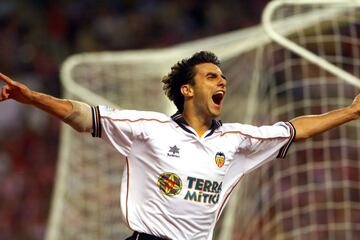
(198, 123)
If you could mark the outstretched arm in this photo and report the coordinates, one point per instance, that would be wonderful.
(310, 125)
(76, 114)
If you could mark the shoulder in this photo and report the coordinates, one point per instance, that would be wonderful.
(277, 130)
(132, 115)
(237, 127)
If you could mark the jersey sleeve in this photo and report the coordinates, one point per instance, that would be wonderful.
(278, 137)
(120, 128)
(268, 142)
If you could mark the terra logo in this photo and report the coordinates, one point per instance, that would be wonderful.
(220, 159)
(169, 184)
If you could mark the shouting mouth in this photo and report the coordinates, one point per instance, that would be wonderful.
(218, 97)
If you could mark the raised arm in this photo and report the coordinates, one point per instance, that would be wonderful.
(76, 114)
(310, 125)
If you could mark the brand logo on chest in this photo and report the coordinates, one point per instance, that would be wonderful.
(174, 152)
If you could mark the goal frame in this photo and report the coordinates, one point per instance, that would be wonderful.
(270, 29)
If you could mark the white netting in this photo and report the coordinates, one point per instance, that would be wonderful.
(313, 193)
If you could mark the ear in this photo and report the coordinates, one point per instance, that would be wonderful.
(187, 90)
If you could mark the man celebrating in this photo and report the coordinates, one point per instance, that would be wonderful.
(181, 169)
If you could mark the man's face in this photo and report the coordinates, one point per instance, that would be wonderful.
(209, 90)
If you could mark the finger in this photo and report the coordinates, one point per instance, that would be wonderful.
(4, 95)
(6, 79)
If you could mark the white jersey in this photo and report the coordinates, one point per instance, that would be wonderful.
(176, 184)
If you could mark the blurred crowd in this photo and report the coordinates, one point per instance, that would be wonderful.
(37, 36)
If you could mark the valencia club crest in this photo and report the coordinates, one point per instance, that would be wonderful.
(220, 159)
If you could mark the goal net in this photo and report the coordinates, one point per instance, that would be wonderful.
(312, 193)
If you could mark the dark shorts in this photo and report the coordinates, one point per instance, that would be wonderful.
(143, 236)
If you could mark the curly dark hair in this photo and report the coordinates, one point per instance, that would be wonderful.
(183, 72)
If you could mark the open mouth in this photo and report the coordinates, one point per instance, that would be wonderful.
(218, 97)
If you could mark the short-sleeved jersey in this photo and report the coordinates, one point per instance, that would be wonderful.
(175, 183)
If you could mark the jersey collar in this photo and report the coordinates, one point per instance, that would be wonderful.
(179, 119)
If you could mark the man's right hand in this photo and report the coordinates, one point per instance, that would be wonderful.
(14, 90)
(77, 114)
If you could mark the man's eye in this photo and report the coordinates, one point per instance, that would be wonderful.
(212, 76)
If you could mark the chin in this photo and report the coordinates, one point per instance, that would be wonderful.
(215, 110)
(216, 114)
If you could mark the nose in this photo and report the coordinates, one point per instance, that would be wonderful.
(222, 82)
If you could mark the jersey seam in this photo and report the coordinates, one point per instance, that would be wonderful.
(127, 192)
(226, 197)
(136, 120)
(250, 136)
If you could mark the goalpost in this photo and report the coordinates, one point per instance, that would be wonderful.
(313, 193)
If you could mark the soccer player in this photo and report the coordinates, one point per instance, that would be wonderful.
(181, 169)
